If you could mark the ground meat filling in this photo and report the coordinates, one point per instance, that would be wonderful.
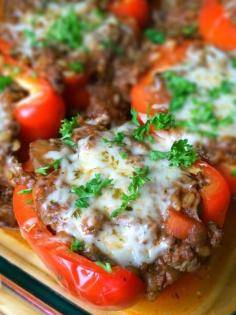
(176, 17)
(54, 203)
(8, 145)
(106, 38)
(220, 151)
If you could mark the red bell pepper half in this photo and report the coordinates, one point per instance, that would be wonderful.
(39, 114)
(82, 277)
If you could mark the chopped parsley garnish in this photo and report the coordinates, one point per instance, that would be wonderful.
(118, 139)
(113, 46)
(45, 169)
(66, 130)
(28, 202)
(157, 121)
(234, 172)
(76, 246)
(31, 37)
(92, 189)
(180, 154)
(25, 191)
(105, 265)
(123, 155)
(203, 114)
(5, 81)
(76, 67)
(155, 36)
(225, 87)
(189, 30)
(134, 115)
(180, 89)
(233, 62)
(158, 155)
(67, 29)
(139, 179)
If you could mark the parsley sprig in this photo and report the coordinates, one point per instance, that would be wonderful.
(189, 30)
(157, 121)
(118, 139)
(5, 81)
(25, 191)
(181, 154)
(76, 246)
(76, 66)
(180, 89)
(66, 130)
(93, 188)
(234, 172)
(67, 29)
(225, 87)
(45, 169)
(104, 265)
(139, 179)
(155, 36)
(203, 114)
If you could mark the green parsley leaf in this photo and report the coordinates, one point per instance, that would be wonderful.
(25, 191)
(158, 121)
(139, 179)
(66, 130)
(28, 202)
(56, 164)
(113, 46)
(203, 112)
(76, 67)
(189, 30)
(233, 62)
(123, 155)
(182, 154)
(92, 189)
(225, 87)
(118, 139)
(234, 172)
(5, 81)
(45, 169)
(158, 155)
(31, 37)
(180, 89)
(68, 29)
(191, 126)
(76, 246)
(134, 115)
(155, 36)
(105, 265)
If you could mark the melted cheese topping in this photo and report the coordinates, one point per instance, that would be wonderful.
(4, 117)
(102, 27)
(208, 67)
(134, 237)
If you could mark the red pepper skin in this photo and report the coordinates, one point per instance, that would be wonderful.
(215, 25)
(136, 9)
(80, 276)
(76, 94)
(41, 112)
(227, 170)
(215, 195)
